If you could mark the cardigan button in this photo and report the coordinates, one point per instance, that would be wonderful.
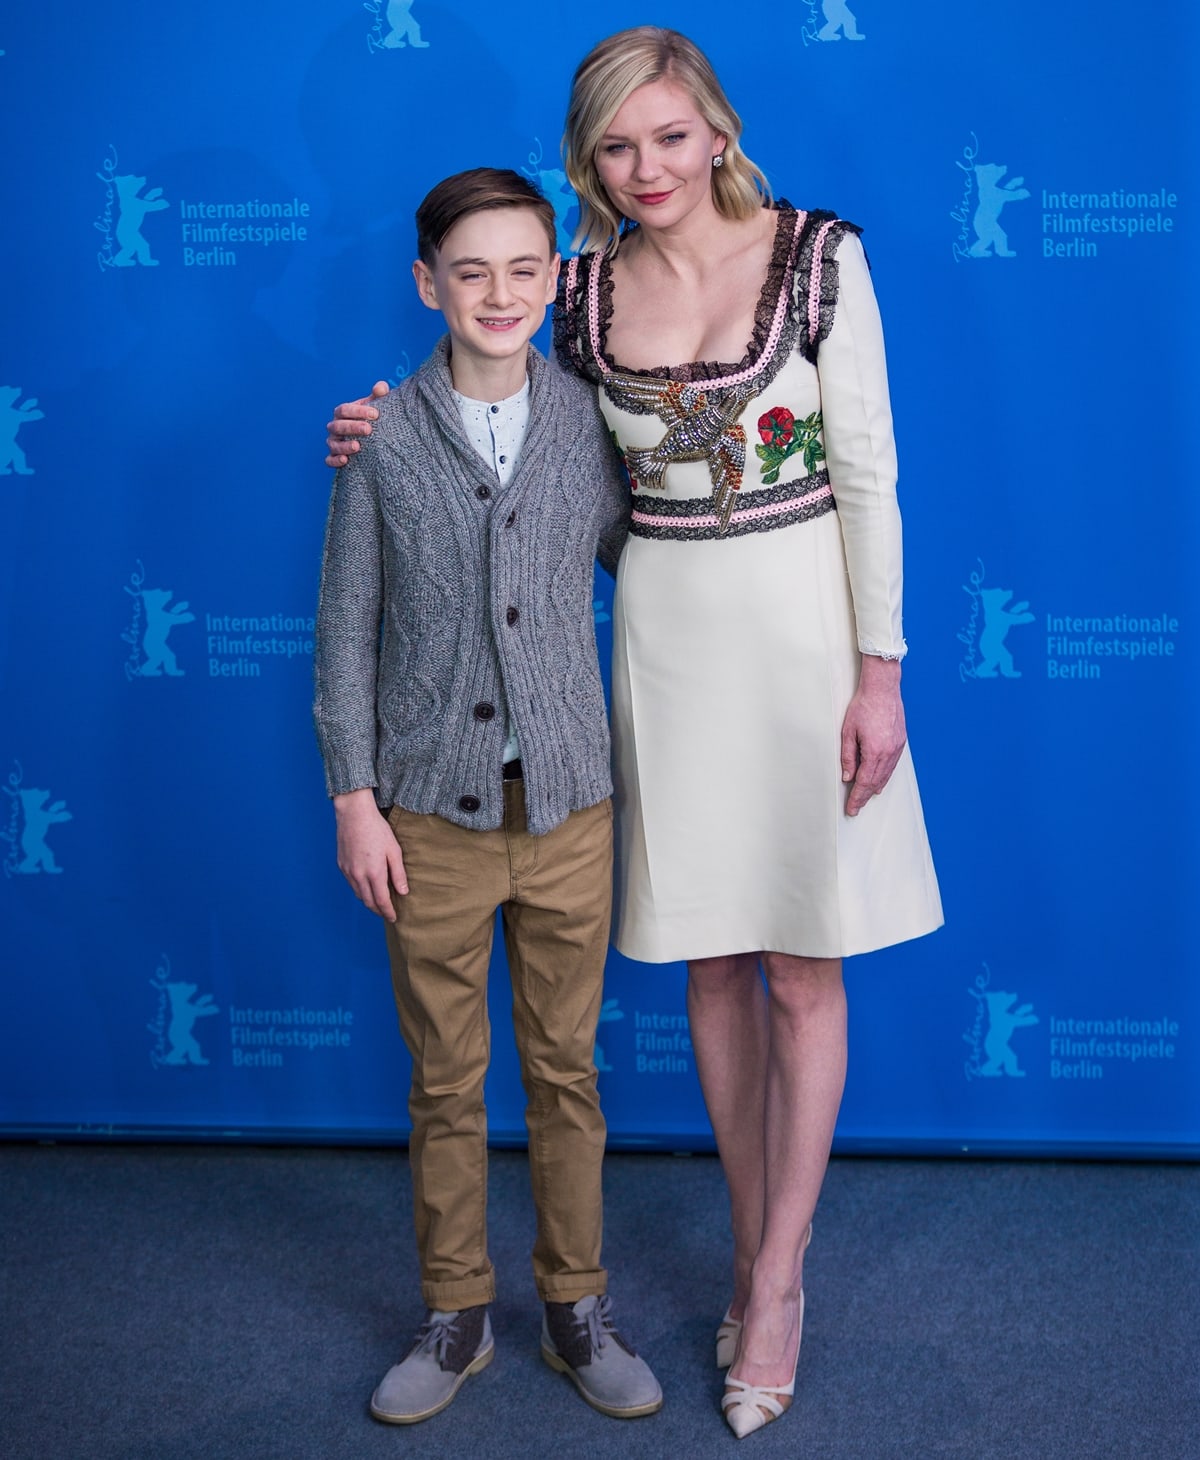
(511, 617)
(510, 519)
(469, 803)
(483, 493)
(484, 711)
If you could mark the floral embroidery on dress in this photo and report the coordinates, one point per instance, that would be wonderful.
(783, 436)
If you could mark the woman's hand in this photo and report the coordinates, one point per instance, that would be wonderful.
(368, 854)
(873, 733)
(352, 419)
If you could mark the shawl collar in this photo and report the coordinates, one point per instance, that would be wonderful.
(436, 389)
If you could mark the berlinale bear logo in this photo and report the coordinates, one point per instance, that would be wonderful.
(402, 31)
(160, 620)
(12, 418)
(984, 196)
(29, 819)
(173, 1025)
(838, 18)
(993, 194)
(987, 654)
(153, 618)
(185, 1010)
(133, 208)
(552, 181)
(998, 618)
(838, 22)
(609, 1010)
(995, 1023)
(120, 221)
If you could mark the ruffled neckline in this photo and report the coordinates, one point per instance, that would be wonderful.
(775, 281)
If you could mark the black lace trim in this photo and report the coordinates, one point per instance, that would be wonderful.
(572, 337)
(827, 293)
(568, 315)
(665, 532)
(665, 509)
(698, 372)
(764, 497)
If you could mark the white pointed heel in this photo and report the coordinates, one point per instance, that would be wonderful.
(748, 1407)
(729, 1332)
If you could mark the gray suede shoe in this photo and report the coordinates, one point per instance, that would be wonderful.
(448, 1347)
(581, 1341)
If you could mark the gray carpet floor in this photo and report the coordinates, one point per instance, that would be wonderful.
(170, 1302)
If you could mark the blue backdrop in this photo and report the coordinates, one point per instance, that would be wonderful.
(220, 250)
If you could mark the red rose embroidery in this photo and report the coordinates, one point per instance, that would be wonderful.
(777, 427)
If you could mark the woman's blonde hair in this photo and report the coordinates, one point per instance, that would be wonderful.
(605, 78)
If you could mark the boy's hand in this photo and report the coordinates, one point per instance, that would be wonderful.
(368, 854)
(351, 419)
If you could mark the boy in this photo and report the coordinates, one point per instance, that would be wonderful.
(467, 754)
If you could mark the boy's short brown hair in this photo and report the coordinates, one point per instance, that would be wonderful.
(472, 192)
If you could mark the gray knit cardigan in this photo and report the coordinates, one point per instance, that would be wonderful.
(449, 602)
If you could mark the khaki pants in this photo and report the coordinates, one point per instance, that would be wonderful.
(555, 894)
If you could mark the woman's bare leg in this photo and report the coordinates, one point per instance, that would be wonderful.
(727, 1012)
(805, 1076)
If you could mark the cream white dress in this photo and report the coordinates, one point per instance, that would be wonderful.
(764, 555)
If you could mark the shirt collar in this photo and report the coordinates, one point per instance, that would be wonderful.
(504, 407)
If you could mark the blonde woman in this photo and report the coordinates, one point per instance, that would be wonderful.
(769, 820)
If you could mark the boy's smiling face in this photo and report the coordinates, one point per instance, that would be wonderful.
(493, 278)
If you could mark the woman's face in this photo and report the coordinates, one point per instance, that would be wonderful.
(655, 159)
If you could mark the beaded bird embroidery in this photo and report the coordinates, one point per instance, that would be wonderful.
(698, 429)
